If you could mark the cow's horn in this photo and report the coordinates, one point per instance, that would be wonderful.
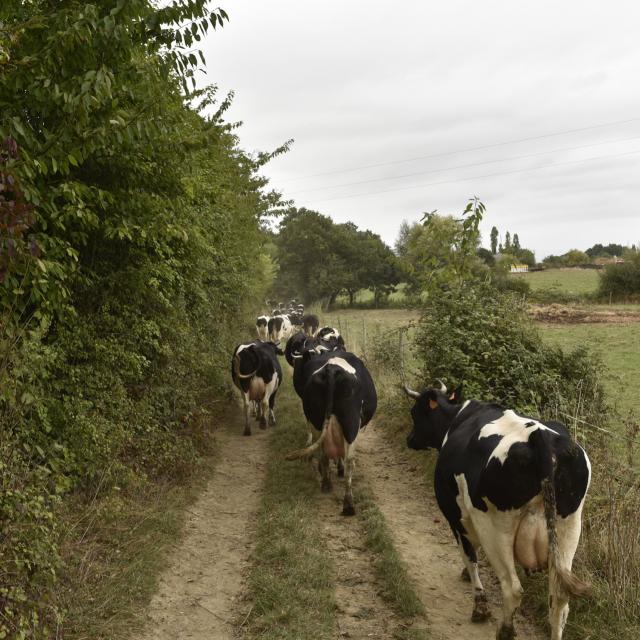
(443, 386)
(410, 392)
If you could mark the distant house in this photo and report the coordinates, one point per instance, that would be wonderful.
(519, 268)
(602, 261)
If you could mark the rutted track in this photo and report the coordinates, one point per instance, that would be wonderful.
(199, 593)
(426, 544)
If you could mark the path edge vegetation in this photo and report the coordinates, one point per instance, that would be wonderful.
(130, 218)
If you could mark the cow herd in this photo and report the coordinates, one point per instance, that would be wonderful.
(510, 484)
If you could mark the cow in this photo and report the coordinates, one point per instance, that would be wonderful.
(279, 328)
(310, 324)
(262, 327)
(511, 484)
(255, 370)
(339, 399)
(330, 338)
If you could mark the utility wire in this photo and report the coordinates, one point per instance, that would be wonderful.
(464, 166)
(467, 150)
(486, 175)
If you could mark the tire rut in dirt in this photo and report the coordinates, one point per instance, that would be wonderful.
(426, 544)
(361, 612)
(199, 592)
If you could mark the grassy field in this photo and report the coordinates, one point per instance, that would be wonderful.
(571, 281)
(619, 347)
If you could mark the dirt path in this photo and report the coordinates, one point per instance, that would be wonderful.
(426, 544)
(198, 595)
(361, 612)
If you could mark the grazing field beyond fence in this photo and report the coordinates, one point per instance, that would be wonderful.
(574, 282)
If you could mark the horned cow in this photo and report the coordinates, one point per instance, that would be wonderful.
(510, 484)
(255, 370)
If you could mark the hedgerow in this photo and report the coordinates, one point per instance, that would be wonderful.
(130, 226)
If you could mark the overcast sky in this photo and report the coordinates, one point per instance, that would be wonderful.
(532, 107)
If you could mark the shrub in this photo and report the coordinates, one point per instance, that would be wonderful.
(622, 280)
(482, 337)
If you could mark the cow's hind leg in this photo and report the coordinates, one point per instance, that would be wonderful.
(325, 473)
(310, 433)
(499, 551)
(340, 467)
(272, 403)
(347, 506)
(246, 405)
(264, 412)
(568, 530)
(481, 611)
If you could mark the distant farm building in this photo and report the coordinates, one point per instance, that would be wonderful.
(519, 268)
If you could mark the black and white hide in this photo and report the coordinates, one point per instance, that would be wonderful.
(310, 324)
(262, 328)
(330, 338)
(279, 328)
(255, 370)
(510, 484)
(339, 399)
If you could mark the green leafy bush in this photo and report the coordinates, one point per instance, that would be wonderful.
(483, 338)
(621, 280)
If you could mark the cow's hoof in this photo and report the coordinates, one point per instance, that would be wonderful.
(348, 509)
(465, 577)
(263, 423)
(506, 632)
(246, 432)
(340, 470)
(481, 612)
(326, 487)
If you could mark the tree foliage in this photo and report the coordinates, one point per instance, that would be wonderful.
(442, 250)
(130, 227)
(319, 259)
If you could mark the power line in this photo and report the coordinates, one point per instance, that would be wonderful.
(464, 166)
(467, 150)
(486, 175)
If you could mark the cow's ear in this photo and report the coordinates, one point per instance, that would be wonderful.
(456, 396)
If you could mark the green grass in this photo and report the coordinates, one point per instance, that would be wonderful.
(576, 282)
(619, 347)
(397, 589)
(292, 580)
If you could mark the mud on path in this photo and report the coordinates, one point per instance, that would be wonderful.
(426, 544)
(199, 593)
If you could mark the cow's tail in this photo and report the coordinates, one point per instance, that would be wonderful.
(236, 369)
(307, 452)
(567, 581)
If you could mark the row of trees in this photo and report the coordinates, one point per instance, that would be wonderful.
(318, 259)
(129, 219)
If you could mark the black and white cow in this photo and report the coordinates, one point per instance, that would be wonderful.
(279, 328)
(255, 370)
(510, 484)
(330, 338)
(310, 324)
(262, 327)
(339, 399)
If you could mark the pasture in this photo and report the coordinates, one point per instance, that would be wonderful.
(575, 282)
(617, 344)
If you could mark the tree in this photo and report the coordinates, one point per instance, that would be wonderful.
(320, 259)
(516, 243)
(575, 257)
(507, 242)
(494, 240)
(441, 249)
